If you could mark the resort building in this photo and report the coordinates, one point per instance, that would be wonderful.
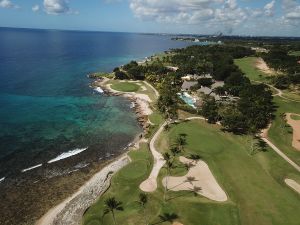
(187, 85)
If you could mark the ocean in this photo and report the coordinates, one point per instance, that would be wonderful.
(49, 112)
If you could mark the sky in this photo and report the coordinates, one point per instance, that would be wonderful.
(232, 17)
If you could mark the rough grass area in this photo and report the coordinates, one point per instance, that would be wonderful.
(125, 87)
(281, 134)
(247, 65)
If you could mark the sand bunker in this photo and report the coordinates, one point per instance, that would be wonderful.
(261, 65)
(199, 179)
(295, 124)
(293, 184)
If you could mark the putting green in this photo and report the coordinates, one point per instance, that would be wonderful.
(125, 87)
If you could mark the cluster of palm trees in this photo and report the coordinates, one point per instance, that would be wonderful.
(112, 205)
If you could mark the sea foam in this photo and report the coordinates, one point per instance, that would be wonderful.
(67, 154)
(31, 168)
(99, 89)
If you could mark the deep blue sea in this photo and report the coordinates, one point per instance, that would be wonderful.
(46, 105)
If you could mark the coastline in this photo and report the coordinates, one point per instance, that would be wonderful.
(71, 210)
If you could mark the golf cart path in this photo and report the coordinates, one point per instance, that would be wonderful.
(150, 184)
(264, 137)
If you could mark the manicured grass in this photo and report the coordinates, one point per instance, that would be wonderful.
(247, 65)
(295, 117)
(125, 87)
(254, 184)
(250, 181)
(156, 118)
(281, 133)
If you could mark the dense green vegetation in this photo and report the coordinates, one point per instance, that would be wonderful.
(125, 87)
(279, 58)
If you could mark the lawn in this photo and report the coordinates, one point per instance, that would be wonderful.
(125, 86)
(247, 65)
(254, 184)
(281, 133)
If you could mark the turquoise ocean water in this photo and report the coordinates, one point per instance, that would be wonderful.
(46, 105)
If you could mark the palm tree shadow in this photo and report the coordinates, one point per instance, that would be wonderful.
(166, 217)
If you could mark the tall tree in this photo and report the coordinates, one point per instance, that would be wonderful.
(112, 205)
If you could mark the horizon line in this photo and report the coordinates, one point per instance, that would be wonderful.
(149, 33)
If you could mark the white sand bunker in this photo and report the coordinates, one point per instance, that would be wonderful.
(295, 124)
(198, 179)
(293, 184)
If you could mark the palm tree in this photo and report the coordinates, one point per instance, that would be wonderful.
(181, 141)
(175, 151)
(111, 204)
(143, 199)
(169, 166)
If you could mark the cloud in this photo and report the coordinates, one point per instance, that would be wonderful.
(7, 4)
(56, 7)
(35, 8)
(291, 10)
(270, 8)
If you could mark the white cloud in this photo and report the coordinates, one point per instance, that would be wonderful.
(56, 6)
(291, 11)
(270, 8)
(35, 8)
(7, 4)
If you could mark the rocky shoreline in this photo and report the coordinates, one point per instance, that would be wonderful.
(71, 210)
(142, 117)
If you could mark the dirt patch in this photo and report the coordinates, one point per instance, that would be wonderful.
(261, 65)
(295, 124)
(199, 179)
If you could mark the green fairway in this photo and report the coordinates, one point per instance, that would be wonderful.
(252, 182)
(125, 87)
(247, 65)
(281, 133)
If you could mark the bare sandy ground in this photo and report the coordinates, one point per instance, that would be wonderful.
(199, 179)
(261, 65)
(295, 124)
(293, 184)
(71, 210)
